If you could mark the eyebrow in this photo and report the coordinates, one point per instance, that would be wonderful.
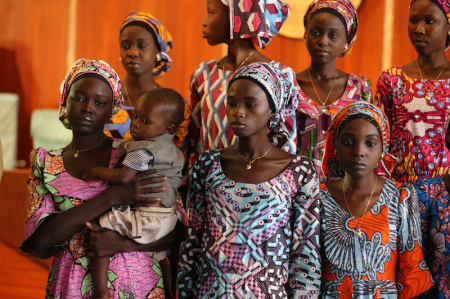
(370, 135)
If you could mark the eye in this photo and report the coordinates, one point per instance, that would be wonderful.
(412, 20)
(347, 142)
(333, 35)
(142, 46)
(315, 33)
(100, 103)
(250, 105)
(125, 46)
(135, 116)
(371, 143)
(145, 122)
(231, 104)
(77, 99)
(429, 21)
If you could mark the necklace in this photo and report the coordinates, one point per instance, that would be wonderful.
(128, 96)
(325, 109)
(358, 230)
(77, 152)
(224, 83)
(427, 96)
(249, 163)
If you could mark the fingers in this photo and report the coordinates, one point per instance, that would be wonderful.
(93, 226)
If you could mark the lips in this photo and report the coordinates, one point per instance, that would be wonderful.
(85, 121)
(322, 52)
(237, 124)
(359, 164)
(132, 63)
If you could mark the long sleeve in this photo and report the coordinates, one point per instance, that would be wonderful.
(305, 260)
(191, 251)
(413, 275)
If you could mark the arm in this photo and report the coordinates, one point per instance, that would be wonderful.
(118, 176)
(191, 253)
(47, 229)
(195, 124)
(305, 261)
(413, 275)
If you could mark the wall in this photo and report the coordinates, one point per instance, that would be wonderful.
(40, 40)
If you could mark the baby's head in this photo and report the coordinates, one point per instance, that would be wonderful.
(157, 112)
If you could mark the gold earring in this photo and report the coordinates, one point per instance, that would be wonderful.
(120, 58)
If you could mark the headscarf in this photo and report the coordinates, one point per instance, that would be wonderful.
(257, 19)
(162, 38)
(90, 68)
(444, 6)
(345, 9)
(280, 91)
(355, 110)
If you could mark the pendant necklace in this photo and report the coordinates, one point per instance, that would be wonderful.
(224, 83)
(325, 109)
(427, 96)
(249, 163)
(358, 229)
(77, 152)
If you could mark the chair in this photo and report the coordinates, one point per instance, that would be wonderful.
(47, 131)
(9, 115)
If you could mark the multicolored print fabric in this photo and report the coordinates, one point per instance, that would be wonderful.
(417, 124)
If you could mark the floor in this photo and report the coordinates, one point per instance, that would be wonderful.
(24, 277)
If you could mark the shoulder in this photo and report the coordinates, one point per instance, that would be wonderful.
(303, 168)
(392, 72)
(204, 66)
(359, 80)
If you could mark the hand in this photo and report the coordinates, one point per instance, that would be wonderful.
(101, 242)
(138, 192)
(89, 174)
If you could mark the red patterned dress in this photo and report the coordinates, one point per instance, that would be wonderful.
(417, 123)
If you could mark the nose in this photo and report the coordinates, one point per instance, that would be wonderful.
(323, 40)
(238, 111)
(420, 28)
(358, 150)
(87, 107)
(204, 22)
(132, 51)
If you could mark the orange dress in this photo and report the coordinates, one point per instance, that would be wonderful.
(386, 261)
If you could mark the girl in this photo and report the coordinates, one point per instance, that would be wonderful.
(144, 51)
(415, 96)
(228, 22)
(434, 199)
(370, 226)
(330, 32)
(253, 228)
(60, 203)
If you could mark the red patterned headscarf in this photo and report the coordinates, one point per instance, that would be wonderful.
(444, 6)
(256, 19)
(343, 8)
(359, 109)
(90, 68)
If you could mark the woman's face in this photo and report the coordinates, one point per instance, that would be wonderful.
(247, 108)
(359, 148)
(427, 27)
(137, 50)
(326, 38)
(89, 105)
(216, 24)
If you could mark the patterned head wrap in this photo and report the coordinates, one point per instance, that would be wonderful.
(90, 68)
(345, 10)
(355, 110)
(444, 6)
(258, 20)
(280, 91)
(162, 38)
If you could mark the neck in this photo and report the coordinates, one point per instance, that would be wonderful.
(238, 51)
(432, 61)
(323, 71)
(252, 147)
(360, 184)
(84, 141)
(139, 84)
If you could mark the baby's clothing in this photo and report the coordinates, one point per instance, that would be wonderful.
(148, 224)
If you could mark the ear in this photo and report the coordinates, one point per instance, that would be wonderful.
(170, 129)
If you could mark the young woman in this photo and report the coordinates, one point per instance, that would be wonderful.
(370, 230)
(415, 96)
(253, 224)
(144, 51)
(228, 22)
(330, 32)
(61, 203)
(434, 211)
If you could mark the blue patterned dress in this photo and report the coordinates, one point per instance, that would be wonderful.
(251, 240)
(435, 216)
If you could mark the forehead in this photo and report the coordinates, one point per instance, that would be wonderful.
(325, 19)
(360, 127)
(135, 32)
(426, 7)
(243, 85)
(88, 84)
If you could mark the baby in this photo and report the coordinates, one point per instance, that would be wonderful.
(156, 118)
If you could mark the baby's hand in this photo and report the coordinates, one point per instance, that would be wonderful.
(89, 175)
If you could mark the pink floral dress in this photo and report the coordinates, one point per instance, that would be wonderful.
(52, 190)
